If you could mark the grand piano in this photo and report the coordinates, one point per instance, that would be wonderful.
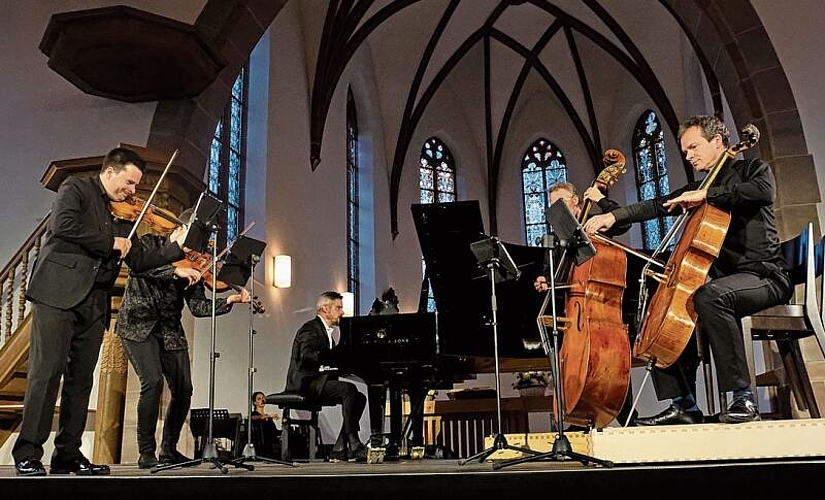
(416, 352)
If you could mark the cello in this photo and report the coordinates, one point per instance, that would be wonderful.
(669, 320)
(595, 351)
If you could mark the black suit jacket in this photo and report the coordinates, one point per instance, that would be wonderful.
(78, 251)
(309, 351)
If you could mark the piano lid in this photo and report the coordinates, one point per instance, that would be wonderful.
(463, 291)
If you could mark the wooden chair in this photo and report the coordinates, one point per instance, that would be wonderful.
(788, 323)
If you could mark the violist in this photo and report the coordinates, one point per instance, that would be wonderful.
(746, 277)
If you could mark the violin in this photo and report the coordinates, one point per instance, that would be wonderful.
(159, 219)
(202, 262)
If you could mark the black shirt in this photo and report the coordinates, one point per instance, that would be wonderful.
(746, 189)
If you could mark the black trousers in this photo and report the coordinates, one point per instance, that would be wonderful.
(720, 304)
(352, 402)
(152, 364)
(64, 343)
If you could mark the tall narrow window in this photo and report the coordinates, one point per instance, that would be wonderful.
(352, 199)
(651, 173)
(436, 179)
(542, 166)
(227, 160)
(436, 173)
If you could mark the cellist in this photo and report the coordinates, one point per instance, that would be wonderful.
(747, 276)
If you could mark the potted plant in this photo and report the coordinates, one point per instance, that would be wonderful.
(531, 383)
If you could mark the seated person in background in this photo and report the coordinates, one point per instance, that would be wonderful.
(265, 434)
(309, 376)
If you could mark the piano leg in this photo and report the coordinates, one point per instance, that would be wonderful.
(417, 394)
(396, 410)
(377, 394)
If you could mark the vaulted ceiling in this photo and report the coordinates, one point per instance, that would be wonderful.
(513, 50)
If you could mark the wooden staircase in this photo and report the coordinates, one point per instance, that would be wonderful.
(14, 359)
(15, 331)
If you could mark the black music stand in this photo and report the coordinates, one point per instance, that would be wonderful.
(493, 257)
(574, 243)
(238, 267)
(204, 222)
(206, 216)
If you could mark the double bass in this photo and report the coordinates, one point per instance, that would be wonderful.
(595, 351)
(670, 318)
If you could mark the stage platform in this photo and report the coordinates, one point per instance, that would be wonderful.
(431, 479)
(773, 440)
(767, 460)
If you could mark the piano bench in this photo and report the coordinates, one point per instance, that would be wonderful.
(287, 402)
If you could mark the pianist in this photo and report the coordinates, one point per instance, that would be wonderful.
(310, 376)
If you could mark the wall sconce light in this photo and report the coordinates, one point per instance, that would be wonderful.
(349, 303)
(282, 273)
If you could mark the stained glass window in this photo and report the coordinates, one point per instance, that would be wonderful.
(651, 173)
(352, 199)
(436, 179)
(227, 161)
(542, 166)
(436, 173)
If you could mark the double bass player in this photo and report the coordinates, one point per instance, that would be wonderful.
(747, 276)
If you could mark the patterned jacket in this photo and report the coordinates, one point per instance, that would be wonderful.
(154, 300)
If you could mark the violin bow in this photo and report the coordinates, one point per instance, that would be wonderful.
(148, 202)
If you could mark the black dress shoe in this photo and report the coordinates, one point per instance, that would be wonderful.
(741, 410)
(147, 461)
(31, 467)
(357, 454)
(672, 415)
(338, 455)
(173, 457)
(79, 466)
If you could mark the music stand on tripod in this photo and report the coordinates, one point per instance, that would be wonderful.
(493, 257)
(202, 235)
(574, 243)
(238, 267)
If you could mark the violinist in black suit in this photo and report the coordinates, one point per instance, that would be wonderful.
(310, 375)
(70, 293)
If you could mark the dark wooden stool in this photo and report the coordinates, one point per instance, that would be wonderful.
(287, 402)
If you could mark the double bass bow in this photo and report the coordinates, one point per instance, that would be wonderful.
(595, 352)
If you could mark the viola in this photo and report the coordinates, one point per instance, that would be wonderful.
(202, 262)
(159, 219)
